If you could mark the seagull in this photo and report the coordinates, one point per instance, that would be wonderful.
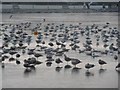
(18, 62)
(58, 61)
(38, 41)
(75, 62)
(117, 67)
(12, 53)
(38, 62)
(101, 62)
(58, 43)
(51, 44)
(67, 59)
(26, 65)
(88, 66)
(49, 63)
(3, 59)
(12, 59)
(37, 55)
(3, 65)
(115, 57)
(17, 55)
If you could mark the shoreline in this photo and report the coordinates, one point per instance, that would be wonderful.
(58, 10)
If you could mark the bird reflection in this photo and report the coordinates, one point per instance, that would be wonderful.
(75, 70)
(88, 74)
(118, 70)
(3, 65)
(102, 71)
(58, 69)
(26, 71)
(29, 71)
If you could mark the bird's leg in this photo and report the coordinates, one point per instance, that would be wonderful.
(16, 58)
(101, 67)
(3, 65)
(29, 56)
(75, 66)
(67, 63)
(57, 65)
(27, 68)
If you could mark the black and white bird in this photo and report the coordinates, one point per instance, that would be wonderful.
(17, 61)
(3, 65)
(101, 62)
(67, 59)
(37, 55)
(75, 62)
(58, 61)
(88, 66)
(116, 57)
(117, 67)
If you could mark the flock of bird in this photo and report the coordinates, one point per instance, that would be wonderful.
(55, 41)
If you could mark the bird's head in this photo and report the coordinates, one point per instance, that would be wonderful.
(65, 55)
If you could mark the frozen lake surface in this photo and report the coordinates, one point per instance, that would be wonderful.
(14, 76)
